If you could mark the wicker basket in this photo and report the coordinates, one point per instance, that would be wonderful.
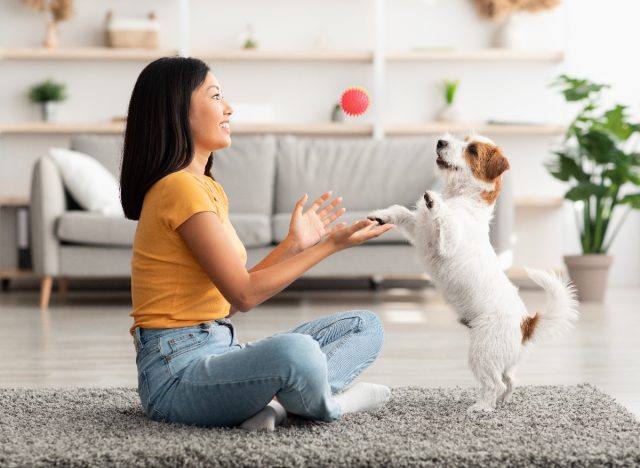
(132, 33)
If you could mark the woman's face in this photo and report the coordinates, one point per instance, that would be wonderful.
(209, 116)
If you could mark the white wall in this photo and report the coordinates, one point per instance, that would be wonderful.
(596, 42)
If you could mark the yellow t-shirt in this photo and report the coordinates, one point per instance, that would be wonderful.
(169, 288)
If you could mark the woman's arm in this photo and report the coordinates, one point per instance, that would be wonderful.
(208, 242)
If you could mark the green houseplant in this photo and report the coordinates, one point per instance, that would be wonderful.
(48, 93)
(449, 113)
(598, 160)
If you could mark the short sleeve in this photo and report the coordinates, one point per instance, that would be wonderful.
(182, 197)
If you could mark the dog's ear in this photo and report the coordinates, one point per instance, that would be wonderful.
(496, 164)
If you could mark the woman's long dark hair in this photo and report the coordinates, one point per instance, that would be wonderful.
(158, 140)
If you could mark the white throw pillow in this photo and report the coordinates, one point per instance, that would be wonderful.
(89, 182)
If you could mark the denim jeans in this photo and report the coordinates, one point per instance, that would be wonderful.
(203, 375)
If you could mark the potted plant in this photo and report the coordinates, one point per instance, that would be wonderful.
(48, 93)
(449, 113)
(598, 160)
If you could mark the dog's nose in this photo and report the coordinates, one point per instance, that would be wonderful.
(442, 144)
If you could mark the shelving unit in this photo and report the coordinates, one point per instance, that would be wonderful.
(379, 60)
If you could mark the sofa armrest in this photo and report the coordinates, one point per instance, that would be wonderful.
(501, 233)
(47, 204)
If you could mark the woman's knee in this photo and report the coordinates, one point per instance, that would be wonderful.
(300, 355)
(371, 325)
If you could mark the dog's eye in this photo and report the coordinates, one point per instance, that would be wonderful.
(472, 150)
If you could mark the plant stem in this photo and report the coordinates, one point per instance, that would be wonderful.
(586, 235)
(617, 228)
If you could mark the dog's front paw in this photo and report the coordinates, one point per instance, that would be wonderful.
(431, 200)
(380, 216)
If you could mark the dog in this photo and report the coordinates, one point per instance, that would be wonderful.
(450, 232)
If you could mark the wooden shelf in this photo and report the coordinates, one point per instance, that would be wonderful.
(84, 53)
(539, 202)
(284, 55)
(107, 53)
(44, 128)
(60, 128)
(480, 55)
(490, 129)
(14, 201)
(328, 128)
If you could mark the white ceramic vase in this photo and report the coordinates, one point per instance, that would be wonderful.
(49, 111)
(449, 113)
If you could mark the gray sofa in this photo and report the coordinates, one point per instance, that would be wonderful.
(263, 177)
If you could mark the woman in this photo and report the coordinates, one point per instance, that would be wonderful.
(189, 275)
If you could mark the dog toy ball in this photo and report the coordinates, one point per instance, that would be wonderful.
(354, 101)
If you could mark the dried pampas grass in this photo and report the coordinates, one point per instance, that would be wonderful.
(60, 10)
(496, 9)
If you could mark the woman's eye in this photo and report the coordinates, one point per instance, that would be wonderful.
(218, 97)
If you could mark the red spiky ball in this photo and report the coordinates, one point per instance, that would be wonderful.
(354, 101)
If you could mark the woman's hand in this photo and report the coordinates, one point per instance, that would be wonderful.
(343, 236)
(307, 228)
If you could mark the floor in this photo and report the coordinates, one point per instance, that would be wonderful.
(84, 340)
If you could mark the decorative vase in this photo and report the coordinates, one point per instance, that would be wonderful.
(49, 111)
(589, 273)
(51, 37)
(449, 113)
(337, 115)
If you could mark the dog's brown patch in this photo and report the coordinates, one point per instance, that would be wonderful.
(487, 163)
(528, 326)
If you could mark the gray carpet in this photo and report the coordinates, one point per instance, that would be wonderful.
(543, 426)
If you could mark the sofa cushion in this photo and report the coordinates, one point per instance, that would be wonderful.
(281, 228)
(246, 171)
(90, 184)
(254, 230)
(107, 149)
(368, 173)
(84, 227)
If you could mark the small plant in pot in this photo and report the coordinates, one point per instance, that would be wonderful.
(598, 159)
(48, 93)
(449, 113)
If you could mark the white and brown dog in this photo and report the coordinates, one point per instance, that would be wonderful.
(451, 234)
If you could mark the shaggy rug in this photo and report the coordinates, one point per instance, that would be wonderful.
(542, 426)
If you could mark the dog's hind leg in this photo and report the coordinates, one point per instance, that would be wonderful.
(491, 386)
(509, 380)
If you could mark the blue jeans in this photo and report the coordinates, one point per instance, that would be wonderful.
(202, 375)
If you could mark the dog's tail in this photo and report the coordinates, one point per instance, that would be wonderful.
(560, 311)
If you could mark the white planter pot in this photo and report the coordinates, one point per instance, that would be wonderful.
(449, 113)
(49, 111)
(529, 31)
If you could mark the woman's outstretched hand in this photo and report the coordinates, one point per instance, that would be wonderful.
(307, 228)
(343, 236)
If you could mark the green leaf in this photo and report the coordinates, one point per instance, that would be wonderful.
(632, 199)
(575, 89)
(618, 175)
(599, 146)
(615, 122)
(566, 167)
(585, 190)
